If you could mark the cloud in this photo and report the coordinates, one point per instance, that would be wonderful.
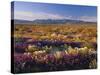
(23, 15)
(32, 16)
(88, 18)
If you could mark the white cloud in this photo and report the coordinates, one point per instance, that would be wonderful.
(88, 18)
(32, 16)
(23, 15)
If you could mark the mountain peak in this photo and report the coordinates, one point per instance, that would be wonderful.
(49, 21)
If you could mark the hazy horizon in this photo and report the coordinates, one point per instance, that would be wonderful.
(31, 11)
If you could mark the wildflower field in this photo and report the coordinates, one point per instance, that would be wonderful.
(54, 47)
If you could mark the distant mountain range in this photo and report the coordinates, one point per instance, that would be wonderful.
(49, 21)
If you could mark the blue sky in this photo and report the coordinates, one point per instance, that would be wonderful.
(31, 11)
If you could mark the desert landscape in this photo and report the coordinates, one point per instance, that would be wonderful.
(53, 37)
(55, 47)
